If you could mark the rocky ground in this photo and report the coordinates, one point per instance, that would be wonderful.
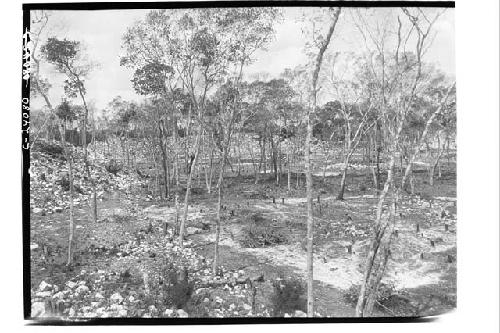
(127, 262)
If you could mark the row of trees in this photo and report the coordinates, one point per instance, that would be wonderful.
(200, 116)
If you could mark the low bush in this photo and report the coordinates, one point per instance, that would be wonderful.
(258, 234)
(50, 148)
(176, 287)
(113, 167)
(387, 296)
(196, 307)
(288, 296)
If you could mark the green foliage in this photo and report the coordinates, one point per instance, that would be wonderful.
(288, 296)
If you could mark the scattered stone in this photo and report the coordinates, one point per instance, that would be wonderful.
(37, 309)
(37, 210)
(71, 312)
(116, 297)
(168, 312)
(192, 231)
(43, 294)
(59, 295)
(44, 286)
(71, 284)
(82, 289)
(299, 313)
(257, 277)
(182, 314)
(99, 296)
(33, 247)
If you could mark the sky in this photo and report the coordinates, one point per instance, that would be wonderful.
(101, 32)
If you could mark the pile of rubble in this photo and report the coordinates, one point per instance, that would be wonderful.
(49, 178)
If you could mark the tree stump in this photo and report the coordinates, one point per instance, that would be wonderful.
(432, 243)
(349, 249)
(446, 227)
(283, 201)
(418, 227)
(396, 233)
(422, 255)
(449, 259)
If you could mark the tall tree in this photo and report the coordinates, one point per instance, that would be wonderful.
(323, 45)
(397, 79)
(67, 57)
(40, 86)
(202, 46)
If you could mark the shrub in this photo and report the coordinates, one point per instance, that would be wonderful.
(113, 167)
(386, 295)
(64, 182)
(196, 307)
(177, 289)
(50, 148)
(260, 234)
(287, 296)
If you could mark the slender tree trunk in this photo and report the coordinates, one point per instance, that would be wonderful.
(239, 153)
(367, 287)
(309, 181)
(435, 163)
(86, 160)
(164, 156)
(71, 212)
(274, 160)
(188, 187)
(69, 161)
(374, 175)
(215, 263)
(187, 138)
(340, 196)
(374, 271)
(176, 155)
(310, 221)
(209, 170)
(289, 165)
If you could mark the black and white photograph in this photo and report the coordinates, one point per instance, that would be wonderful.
(246, 161)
